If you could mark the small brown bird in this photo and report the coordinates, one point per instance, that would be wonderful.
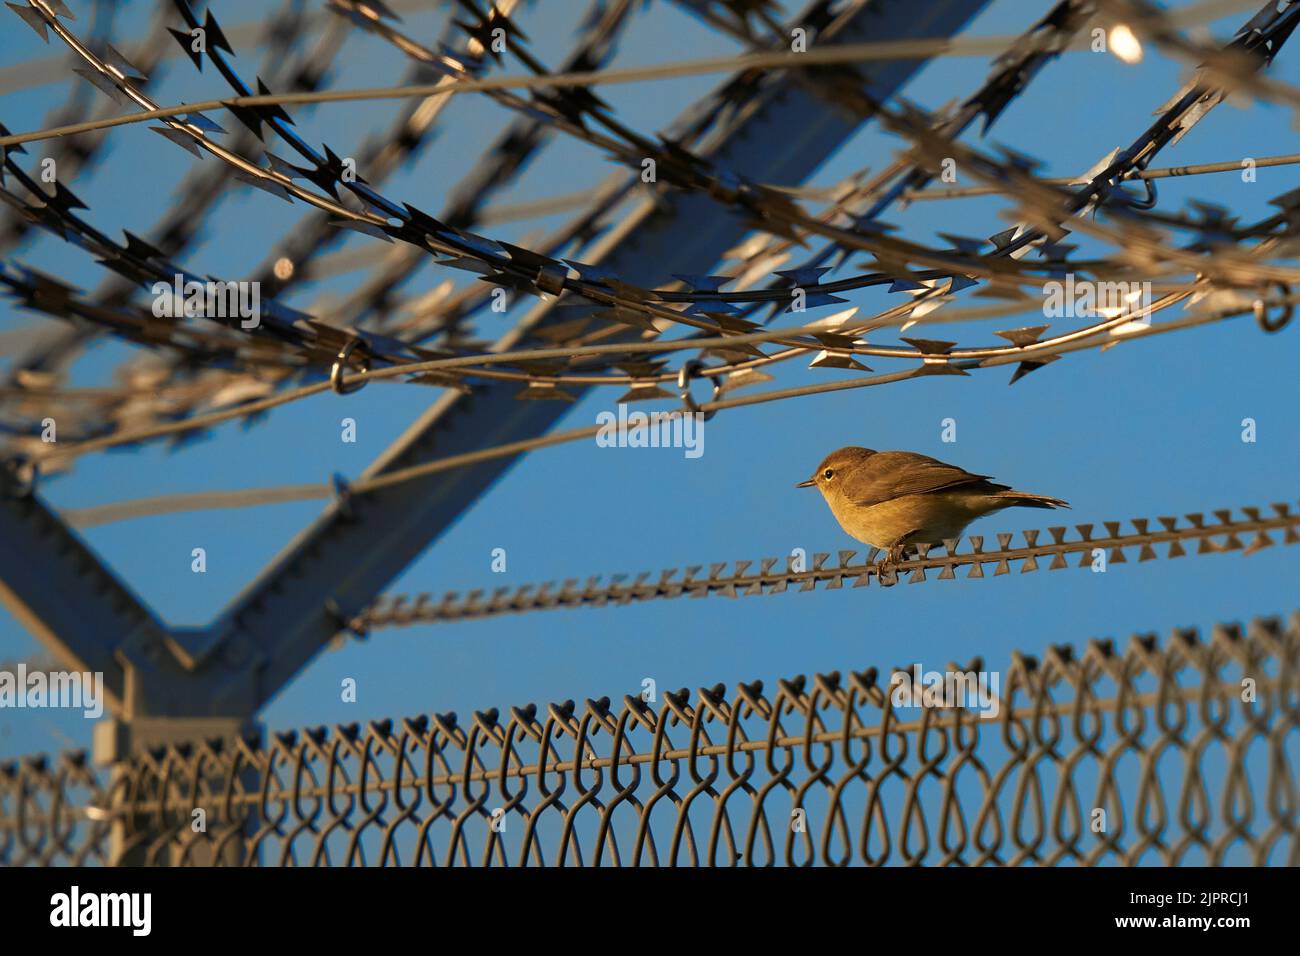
(890, 499)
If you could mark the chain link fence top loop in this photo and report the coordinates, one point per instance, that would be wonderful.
(1175, 753)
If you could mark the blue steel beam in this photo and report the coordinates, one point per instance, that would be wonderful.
(60, 591)
(57, 588)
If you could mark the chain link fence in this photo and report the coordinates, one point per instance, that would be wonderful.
(1177, 753)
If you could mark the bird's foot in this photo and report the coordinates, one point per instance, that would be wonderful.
(887, 566)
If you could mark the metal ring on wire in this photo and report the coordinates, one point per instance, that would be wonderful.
(1128, 199)
(336, 371)
(689, 371)
(1283, 320)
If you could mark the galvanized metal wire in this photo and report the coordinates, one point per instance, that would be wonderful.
(1181, 752)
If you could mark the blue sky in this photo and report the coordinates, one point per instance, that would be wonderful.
(1147, 428)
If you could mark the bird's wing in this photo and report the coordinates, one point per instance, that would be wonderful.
(892, 474)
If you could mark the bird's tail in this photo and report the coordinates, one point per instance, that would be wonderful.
(1023, 499)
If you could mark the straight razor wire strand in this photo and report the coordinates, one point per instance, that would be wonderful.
(746, 578)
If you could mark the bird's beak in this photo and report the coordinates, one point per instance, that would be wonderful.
(807, 484)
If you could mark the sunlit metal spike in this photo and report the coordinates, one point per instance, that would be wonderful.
(183, 140)
(834, 341)
(1024, 368)
(643, 392)
(543, 392)
(1092, 173)
(1026, 335)
(1004, 238)
(32, 18)
(929, 346)
(628, 317)
(115, 59)
(743, 378)
(283, 167)
(828, 358)
(935, 367)
(202, 122)
(105, 85)
(266, 185)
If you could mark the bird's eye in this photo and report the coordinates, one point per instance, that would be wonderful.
(828, 474)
